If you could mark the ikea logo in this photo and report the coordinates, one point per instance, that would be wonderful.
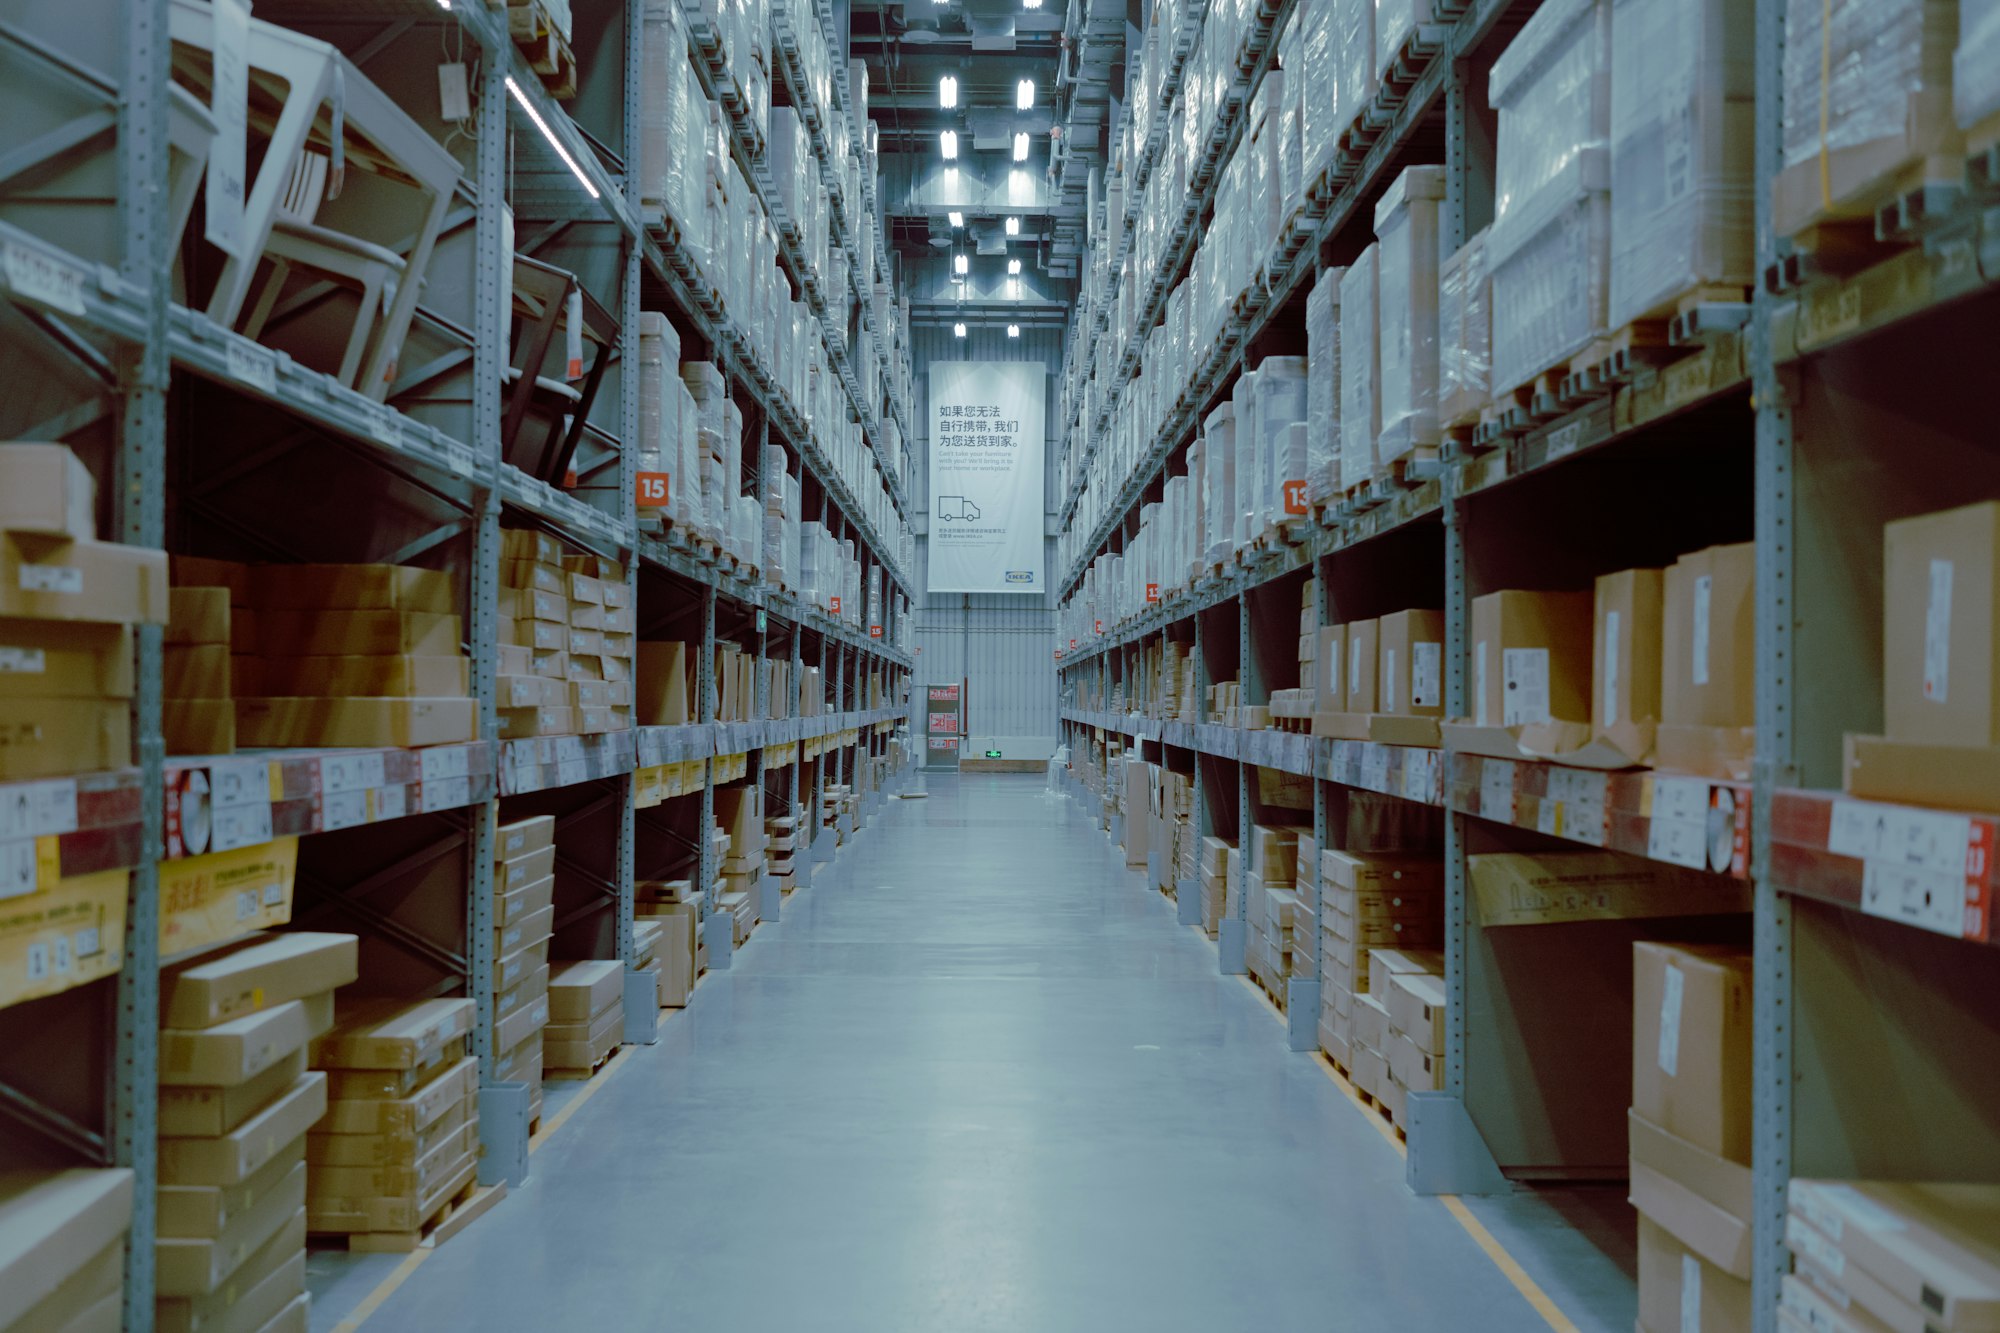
(1020, 576)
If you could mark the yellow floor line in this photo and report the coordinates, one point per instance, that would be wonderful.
(590, 1089)
(1509, 1267)
(383, 1291)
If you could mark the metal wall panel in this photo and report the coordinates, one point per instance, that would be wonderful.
(1001, 646)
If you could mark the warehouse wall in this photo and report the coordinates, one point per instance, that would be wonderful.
(1001, 645)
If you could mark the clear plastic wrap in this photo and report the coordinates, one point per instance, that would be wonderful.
(710, 394)
(1975, 73)
(1196, 550)
(665, 131)
(1354, 22)
(1281, 411)
(1219, 507)
(1323, 387)
(1244, 486)
(1406, 223)
(1465, 334)
(1360, 370)
(1320, 99)
(1550, 295)
(1867, 95)
(1395, 23)
(659, 409)
(1683, 182)
(732, 461)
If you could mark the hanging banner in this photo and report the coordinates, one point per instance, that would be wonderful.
(986, 450)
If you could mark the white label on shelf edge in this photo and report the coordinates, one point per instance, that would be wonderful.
(39, 276)
(1937, 633)
(1672, 989)
(1524, 698)
(253, 365)
(1929, 899)
(1479, 684)
(65, 579)
(18, 869)
(1815, 1248)
(1388, 682)
(1704, 589)
(1496, 789)
(23, 661)
(1610, 668)
(1900, 836)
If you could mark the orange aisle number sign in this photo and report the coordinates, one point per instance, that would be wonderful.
(874, 631)
(1152, 592)
(1295, 498)
(836, 606)
(652, 490)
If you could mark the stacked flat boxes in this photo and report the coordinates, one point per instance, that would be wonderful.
(1368, 903)
(236, 1104)
(67, 606)
(781, 841)
(566, 641)
(1297, 702)
(1215, 855)
(673, 906)
(197, 708)
(524, 918)
(739, 816)
(400, 1140)
(1270, 903)
(62, 1250)
(586, 1015)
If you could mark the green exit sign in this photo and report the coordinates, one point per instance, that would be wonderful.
(992, 754)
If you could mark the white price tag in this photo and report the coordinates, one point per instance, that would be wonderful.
(1375, 767)
(1680, 798)
(252, 365)
(444, 761)
(1899, 835)
(1928, 899)
(23, 662)
(1681, 842)
(17, 869)
(36, 275)
(351, 772)
(344, 809)
(32, 809)
(448, 794)
(1582, 800)
(1496, 789)
(240, 782)
(459, 459)
(66, 580)
(240, 826)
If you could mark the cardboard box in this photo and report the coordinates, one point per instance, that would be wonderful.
(1416, 1009)
(186, 1266)
(532, 544)
(197, 670)
(1957, 777)
(220, 896)
(520, 723)
(399, 675)
(1814, 1303)
(354, 587)
(519, 871)
(228, 1054)
(400, 1212)
(41, 738)
(529, 693)
(54, 659)
(1410, 679)
(1544, 888)
(1933, 1246)
(393, 1034)
(1531, 658)
(514, 968)
(254, 1298)
(1702, 1198)
(198, 1211)
(346, 1085)
(1941, 627)
(254, 973)
(1383, 965)
(534, 604)
(522, 1064)
(1708, 638)
(46, 491)
(197, 616)
(359, 632)
(195, 1111)
(62, 936)
(89, 1300)
(1330, 674)
(331, 1186)
(512, 1029)
(52, 1224)
(45, 579)
(457, 1084)
(524, 836)
(237, 1155)
(1412, 1067)
(400, 1148)
(517, 997)
(1691, 1043)
(660, 693)
(308, 722)
(1363, 664)
(1626, 651)
(198, 726)
(582, 991)
(572, 1054)
(526, 901)
(196, 571)
(1370, 1017)
(519, 934)
(1680, 1290)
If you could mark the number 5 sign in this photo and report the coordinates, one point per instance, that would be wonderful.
(652, 490)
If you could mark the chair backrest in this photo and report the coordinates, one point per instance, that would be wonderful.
(306, 188)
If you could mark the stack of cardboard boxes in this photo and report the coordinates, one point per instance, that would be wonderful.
(524, 917)
(197, 707)
(400, 1140)
(1378, 911)
(1876, 1255)
(356, 655)
(67, 605)
(671, 906)
(1214, 861)
(236, 1104)
(1224, 703)
(1299, 702)
(739, 813)
(779, 839)
(1273, 909)
(62, 1250)
(566, 640)
(586, 1015)
(1381, 680)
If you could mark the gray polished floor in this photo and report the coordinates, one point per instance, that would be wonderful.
(978, 1079)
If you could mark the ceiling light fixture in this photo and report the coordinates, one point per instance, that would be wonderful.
(1021, 146)
(948, 92)
(1013, 268)
(960, 264)
(549, 134)
(1024, 94)
(955, 218)
(949, 139)
(1013, 330)
(1013, 226)
(958, 330)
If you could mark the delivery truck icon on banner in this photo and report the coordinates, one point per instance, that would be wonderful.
(956, 506)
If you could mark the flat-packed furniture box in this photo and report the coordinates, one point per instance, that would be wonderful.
(1530, 658)
(1465, 334)
(62, 1248)
(1895, 1254)
(586, 1015)
(1707, 638)
(1406, 223)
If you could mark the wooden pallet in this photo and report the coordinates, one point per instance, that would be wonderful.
(553, 1075)
(1296, 726)
(547, 50)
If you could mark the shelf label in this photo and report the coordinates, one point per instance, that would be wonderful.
(351, 772)
(1296, 502)
(240, 782)
(59, 579)
(1925, 868)
(384, 423)
(1564, 440)
(448, 794)
(1153, 593)
(239, 826)
(440, 762)
(1375, 767)
(1928, 899)
(1496, 789)
(252, 365)
(35, 809)
(1576, 806)
(654, 490)
(19, 869)
(36, 275)
(1828, 312)
(344, 810)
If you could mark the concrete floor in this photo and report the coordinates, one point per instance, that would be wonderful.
(977, 1078)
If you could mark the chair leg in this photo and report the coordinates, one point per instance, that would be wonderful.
(260, 313)
(370, 299)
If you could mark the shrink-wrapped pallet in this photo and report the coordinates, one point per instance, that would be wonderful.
(659, 408)
(1323, 387)
(670, 148)
(1219, 503)
(1355, 69)
(1406, 223)
(1196, 550)
(1395, 23)
(1550, 243)
(1248, 474)
(1465, 334)
(1975, 72)
(731, 462)
(1683, 174)
(1174, 552)
(1868, 106)
(1292, 119)
(1360, 371)
(1281, 435)
(1319, 132)
(709, 392)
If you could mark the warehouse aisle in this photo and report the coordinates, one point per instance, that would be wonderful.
(977, 1079)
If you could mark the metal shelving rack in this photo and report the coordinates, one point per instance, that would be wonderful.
(1839, 404)
(116, 820)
